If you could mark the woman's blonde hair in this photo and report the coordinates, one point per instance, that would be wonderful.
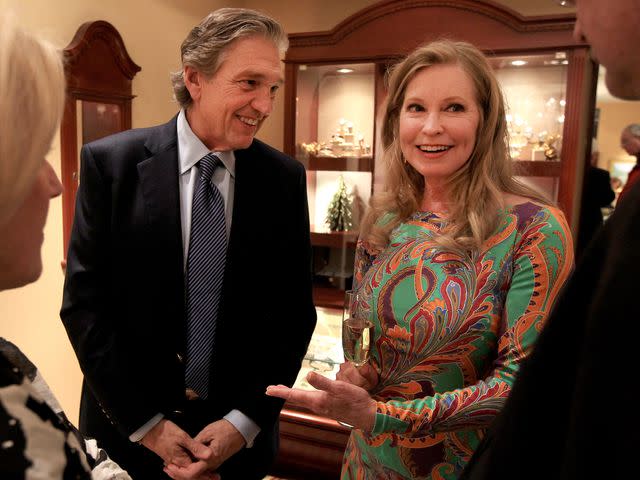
(476, 188)
(32, 86)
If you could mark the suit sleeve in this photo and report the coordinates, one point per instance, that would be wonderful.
(107, 362)
(543, 259)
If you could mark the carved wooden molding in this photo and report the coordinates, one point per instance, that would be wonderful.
(85, 38)
(491, 10)
(392, 28)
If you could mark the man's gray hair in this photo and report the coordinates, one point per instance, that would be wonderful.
(633, 129)
(204, 47)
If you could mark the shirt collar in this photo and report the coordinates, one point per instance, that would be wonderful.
(191, 149)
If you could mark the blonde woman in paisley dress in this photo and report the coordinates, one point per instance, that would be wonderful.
(457, 266)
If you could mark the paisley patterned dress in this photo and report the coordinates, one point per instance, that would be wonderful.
(449, 336)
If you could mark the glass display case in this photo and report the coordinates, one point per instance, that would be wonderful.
(334, 94)
(334, 137)
(535, 90)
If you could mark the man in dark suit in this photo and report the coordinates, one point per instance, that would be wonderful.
(568, 415)
(137, 240)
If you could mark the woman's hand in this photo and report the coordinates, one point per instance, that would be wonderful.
(365, 376)
(336, 399)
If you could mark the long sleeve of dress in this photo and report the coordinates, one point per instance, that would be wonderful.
(469, 332)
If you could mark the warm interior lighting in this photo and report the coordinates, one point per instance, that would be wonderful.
(344, 70)
(518, 63)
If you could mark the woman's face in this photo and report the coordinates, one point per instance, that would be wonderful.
(438, 121)
(22, 236)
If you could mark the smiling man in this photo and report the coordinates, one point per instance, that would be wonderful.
(185, 237)
(570, 414)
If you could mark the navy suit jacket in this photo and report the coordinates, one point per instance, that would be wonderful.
(124, 307)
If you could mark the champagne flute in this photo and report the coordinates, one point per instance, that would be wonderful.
(356, 334)
(356, 330)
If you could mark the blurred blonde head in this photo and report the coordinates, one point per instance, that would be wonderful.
(476, 189)
(32, 86)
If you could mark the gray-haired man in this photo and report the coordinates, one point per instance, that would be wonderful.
(630, 142)
(186, 237)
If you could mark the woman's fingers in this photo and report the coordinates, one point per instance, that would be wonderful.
(349, 373)
(295, 396)
(279, 391)
(321, 382)
(370, 374)
(333, 398)
(365, 376)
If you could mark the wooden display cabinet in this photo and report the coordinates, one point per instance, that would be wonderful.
(98, 73)
(553, 92)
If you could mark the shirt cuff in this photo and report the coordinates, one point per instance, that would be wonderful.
(144, 429)
(247, 427)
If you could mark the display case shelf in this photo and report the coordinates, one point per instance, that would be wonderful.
(341, 164)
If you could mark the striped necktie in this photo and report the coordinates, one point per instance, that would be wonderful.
(205, 275)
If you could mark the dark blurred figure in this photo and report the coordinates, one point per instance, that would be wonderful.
(596, 195)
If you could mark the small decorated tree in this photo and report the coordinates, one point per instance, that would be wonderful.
(339, 213)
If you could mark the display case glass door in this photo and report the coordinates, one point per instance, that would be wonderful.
(534, 87)
(334, 137)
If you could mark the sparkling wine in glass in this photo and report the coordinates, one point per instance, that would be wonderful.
(356, 331)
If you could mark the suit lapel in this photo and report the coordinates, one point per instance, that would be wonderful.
(160, 188)
(249, 186)
(159, 182)
(239, 197)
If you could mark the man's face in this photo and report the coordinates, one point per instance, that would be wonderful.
(612, 27)
(229, 107)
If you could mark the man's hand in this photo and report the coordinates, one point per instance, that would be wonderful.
(223, 439)
(365, 376)
(175, 447)
(335, 399)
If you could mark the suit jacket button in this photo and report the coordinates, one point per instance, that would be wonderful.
(178, 412)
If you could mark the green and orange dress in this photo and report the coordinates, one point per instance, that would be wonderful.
(449, 335)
